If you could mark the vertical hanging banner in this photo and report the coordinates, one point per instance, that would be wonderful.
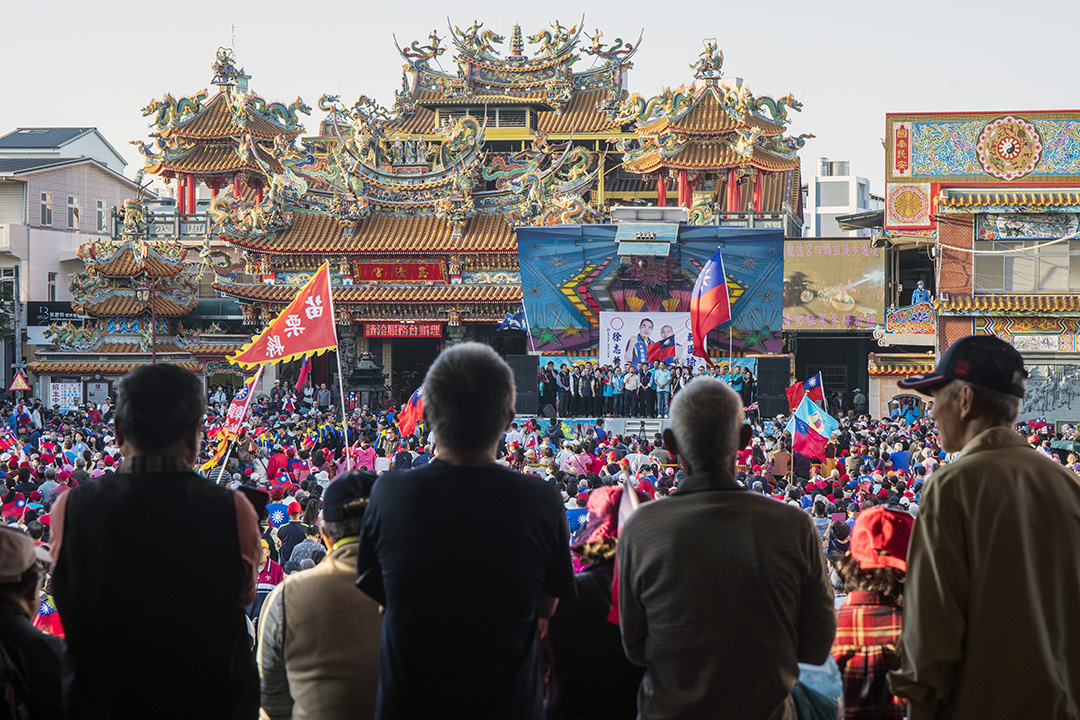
(304, 327)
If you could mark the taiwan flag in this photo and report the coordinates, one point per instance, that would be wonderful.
(663, 350)
(810, 428)
(278, 514)
(811, 388)
(47, 619)
(412, 413)
(710, 306)
(305, 370)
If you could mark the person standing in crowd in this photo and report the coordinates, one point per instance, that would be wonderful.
(858, 402)
(319, 638)
(990, 621)
(270, 576)
(291, 533)
(562, 382)
(548, 386)
(452, 621)
(631, 385)
(324, 397)
(868, 624)
(662, 380)
(155, 628)
(722, 592)
(36, 656)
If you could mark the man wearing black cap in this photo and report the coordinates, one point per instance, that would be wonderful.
(991, 628)
(318, 637)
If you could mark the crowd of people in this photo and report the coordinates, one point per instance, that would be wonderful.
(635, 390)
(474, 566)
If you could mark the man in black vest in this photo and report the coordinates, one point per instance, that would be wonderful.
(155, 626)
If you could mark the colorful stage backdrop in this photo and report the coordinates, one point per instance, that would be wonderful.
(572, 273)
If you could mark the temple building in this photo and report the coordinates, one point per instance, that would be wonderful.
(417, 205)
(995, 199)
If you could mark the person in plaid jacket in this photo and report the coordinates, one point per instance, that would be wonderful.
(869, 622)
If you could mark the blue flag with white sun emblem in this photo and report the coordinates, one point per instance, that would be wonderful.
(279, 514)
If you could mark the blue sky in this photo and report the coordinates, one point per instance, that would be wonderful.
(97, 63)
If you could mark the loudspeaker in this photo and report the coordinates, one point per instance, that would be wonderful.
(549, 412)
(773, 376)
(526, 373)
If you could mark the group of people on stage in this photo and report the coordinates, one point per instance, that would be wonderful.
(642, 390)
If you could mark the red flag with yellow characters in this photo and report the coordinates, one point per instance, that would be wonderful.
(305, 327)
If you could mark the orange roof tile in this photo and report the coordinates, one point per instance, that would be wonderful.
(129, 305)
(124, 262)
(216, 121)
(433, 100)
(421, 121)
(579, 115)
(87, 367)
(211, 348)
(702, 155)
(1037, 303)
(212, 159)
(318, 234)
(356, 294)
(994, 199)
(122, 348)
(708, 115)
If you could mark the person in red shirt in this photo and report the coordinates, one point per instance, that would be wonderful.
(869, 622)
(270, 576)
(278, 462)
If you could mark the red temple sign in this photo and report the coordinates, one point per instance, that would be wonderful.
(401, 272)
(403, 330)
(902, 150)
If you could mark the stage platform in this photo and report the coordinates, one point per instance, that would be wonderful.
(642, 427)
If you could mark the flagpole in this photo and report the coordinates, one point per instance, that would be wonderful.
(341, 375)
(528, 325)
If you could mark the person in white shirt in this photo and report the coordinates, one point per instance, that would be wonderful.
(514, 435)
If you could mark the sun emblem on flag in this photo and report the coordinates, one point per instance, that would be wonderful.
(278, 517)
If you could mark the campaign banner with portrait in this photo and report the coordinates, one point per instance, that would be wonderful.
(627, 337)
(833, 284)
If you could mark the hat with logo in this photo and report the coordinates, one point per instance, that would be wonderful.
(982, 360)
(347, 496)
(17, 554)
(880, 538)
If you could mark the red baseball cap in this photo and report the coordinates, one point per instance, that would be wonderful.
(295, 509)
(880, 538)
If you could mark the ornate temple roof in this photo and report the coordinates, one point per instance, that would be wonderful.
(213, 159)
(132, 257)
(314, 233)
(229, 115)
(89, 367)
(708, 126)
(900, 365)
(359, 294)
(125, 302)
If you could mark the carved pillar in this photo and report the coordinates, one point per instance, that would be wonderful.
(347, 336)
(661, 189)
(365, 345)
(683, 202)
(388, 361)
(192, 201)
(732, 190)
(759, 192)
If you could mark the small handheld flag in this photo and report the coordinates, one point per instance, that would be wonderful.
(305, 370)
(710, 306)
(413, 412)
(811, 388)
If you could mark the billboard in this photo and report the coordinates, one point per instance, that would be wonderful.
(833, 284)
(626, 336)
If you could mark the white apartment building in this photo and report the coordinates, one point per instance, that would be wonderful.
(832, 192)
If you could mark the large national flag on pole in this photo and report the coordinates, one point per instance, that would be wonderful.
(238, 408)
(305, 327)
(810, 428)
(811, 388)
(412, 413)
(513, 321)
(710, 306)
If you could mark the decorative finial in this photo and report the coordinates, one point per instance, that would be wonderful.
(517, 45)
(710, 62)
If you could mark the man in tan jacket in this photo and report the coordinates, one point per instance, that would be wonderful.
(991, 628)
(318, 636)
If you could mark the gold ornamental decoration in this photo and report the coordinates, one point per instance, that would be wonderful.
(1009, 147)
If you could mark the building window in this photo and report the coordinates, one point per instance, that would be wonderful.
(102, 217)
(73, 212)
(1053, 268)
(52, 287)
(46, 209)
